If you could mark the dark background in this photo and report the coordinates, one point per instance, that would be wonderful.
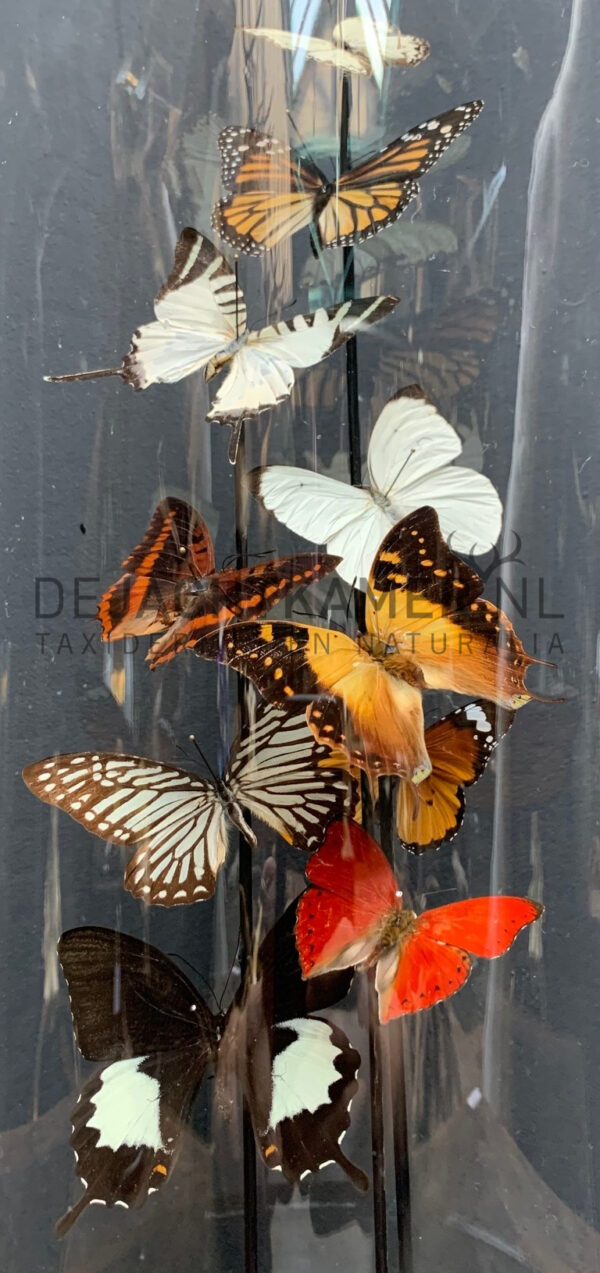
(95, 183)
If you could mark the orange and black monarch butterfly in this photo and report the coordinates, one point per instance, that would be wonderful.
(274, 193)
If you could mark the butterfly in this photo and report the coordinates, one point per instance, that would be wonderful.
(352, 916)
(426, 628)
(274, 193)
(136, 1013)
(170, 584)
(201, 323)
(354, 42)
(409, 465)
(180, 823)
(443, 349)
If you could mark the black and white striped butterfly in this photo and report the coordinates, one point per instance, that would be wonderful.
(180, 822)
(136, 1013)
(201, 323)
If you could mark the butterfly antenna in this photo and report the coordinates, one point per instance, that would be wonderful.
(85, 375)
(194, 740)
(230, 973)
(400, 472)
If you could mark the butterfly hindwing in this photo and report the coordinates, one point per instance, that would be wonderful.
(459, 747)
(262, 371)
(175, 549)
(298, 1072)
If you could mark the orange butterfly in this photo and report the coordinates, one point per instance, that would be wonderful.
(352, 916)
(427, 628)
(274, 193)
(171, 586)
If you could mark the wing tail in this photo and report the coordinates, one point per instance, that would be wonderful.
(85, 375)
(66, 1222)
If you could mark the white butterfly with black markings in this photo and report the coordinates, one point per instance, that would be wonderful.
(136, 1013)
(181, 823)
(358, 46)
(201, 324)
(410, 464)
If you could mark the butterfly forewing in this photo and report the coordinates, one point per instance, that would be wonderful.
(271, 190)
(238, 594)
(175, 549)
(426, 604)
(280, 773)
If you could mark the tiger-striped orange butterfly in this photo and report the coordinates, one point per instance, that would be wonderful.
(274, 193)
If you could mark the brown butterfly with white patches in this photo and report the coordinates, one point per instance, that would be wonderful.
(154, 1036)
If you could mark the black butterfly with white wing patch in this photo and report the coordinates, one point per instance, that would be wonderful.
(201, 324)
(136, 1012)
(180, 822)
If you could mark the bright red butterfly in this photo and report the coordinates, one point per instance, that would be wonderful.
(352, 916)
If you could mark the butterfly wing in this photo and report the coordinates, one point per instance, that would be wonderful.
(174, 818)
(134, 1009)
(410, 465)
(233, 594)
(426, 603)
(322, 51)
(291, 661)
(352, 892)
(300, 1079)
(280, 773)
(373, 194)
(262, 371)
(459, 747)
(176, 548)
(345, 518)
(484, 926)
(393, 47)
(298, 1073)
(199, 311)
(272, 192)
(418, 975)
(444, 350)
